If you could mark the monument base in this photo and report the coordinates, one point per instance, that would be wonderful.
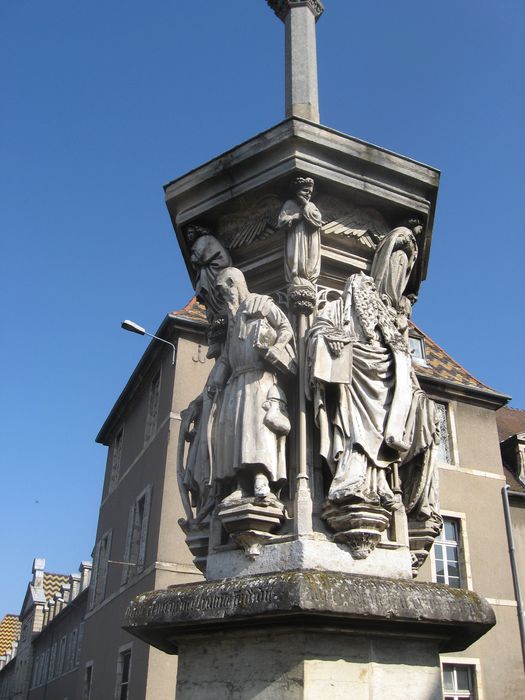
(307, 664)
(298, 634)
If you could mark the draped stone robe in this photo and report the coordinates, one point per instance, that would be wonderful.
(367, 399)
(303, 241)
(243, 435)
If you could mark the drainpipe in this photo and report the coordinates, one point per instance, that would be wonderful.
(506, 492)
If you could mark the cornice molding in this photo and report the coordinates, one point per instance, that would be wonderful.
(283, 7)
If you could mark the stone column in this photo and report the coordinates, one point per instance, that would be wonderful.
(301, 96)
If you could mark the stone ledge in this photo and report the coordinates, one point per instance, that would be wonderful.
(352, 603)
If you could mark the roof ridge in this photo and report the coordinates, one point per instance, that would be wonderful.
(514, 408)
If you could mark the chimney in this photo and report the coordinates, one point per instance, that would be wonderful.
(85, 574)
(38, 572)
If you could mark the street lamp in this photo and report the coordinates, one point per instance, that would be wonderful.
(135, 328)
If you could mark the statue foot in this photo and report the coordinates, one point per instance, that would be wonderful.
(261, 487)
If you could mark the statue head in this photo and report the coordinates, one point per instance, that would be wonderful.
(415, 224)
(193, 231)
(303, 187)
(232, 287)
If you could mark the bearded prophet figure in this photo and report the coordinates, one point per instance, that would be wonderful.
(368, 405)
(302, 221)
(250, 430)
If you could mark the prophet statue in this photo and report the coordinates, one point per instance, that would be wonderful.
(250, 419)
(372, 415)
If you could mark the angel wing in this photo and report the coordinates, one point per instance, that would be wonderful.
(251, 222)
(364, 224)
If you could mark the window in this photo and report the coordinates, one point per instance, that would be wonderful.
(42, 676)
(458, 682)
(88, 681)
(444, 451)
(79, 643)
(137, 534)
(447, 554)
(61, 656)
(52, 661)
(98, 584)
(36, 670)
(153, 408)
(116, 459)
(72, 649)
(123, 674)
(416, 347)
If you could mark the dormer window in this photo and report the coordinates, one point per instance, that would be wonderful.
(416, 346)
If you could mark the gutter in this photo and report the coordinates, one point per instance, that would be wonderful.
(506, 492)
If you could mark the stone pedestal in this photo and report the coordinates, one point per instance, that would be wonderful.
(301, 634)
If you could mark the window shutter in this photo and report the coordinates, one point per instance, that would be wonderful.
(127, 548)
(94, 578)
(144, 529)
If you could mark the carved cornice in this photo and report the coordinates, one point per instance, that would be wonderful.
(283, 7)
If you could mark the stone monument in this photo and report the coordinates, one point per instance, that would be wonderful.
(307, 464)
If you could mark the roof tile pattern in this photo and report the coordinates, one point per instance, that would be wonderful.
(9, 632)
(441, 366)
(53, 583)
(193, 311)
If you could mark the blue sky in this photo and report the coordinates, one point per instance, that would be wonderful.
(104, 102)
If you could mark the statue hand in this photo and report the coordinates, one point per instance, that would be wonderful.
(272, 355)
(213, 390)
(335, 347)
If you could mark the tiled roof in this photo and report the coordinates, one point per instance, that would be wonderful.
(441, 366)
(510, 421)
(9, 632)
(53, 583)
(193, 311)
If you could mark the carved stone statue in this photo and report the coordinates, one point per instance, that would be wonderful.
(208, 258)
(372, 415)
(252, 423)
(302, 222)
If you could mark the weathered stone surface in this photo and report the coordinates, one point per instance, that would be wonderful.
(359, 604)
(390, 560)
(344, 167)
(298, 665)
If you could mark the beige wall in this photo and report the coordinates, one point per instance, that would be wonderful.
(167, 561)
(471, 489)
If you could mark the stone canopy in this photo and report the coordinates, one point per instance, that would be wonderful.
(366, 185)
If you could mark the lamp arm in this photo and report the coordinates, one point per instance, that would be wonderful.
(167, 343)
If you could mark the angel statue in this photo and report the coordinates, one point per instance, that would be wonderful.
(208, 257)
(302, 221)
